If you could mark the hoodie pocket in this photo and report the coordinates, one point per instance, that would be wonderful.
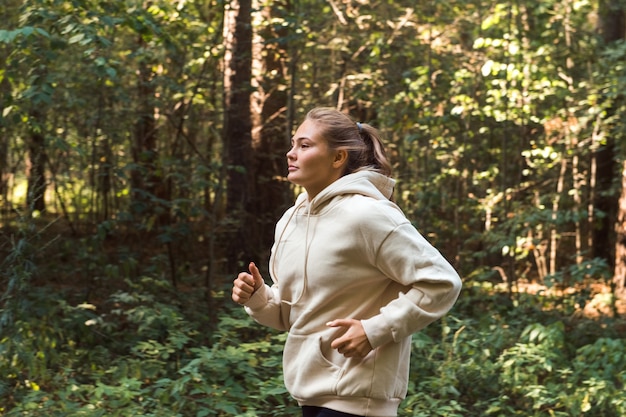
(307, 372)
(383, 374)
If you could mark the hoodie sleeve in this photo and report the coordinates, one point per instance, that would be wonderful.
(433, 285)
(265, 307)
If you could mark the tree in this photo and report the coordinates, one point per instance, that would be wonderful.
(611, 27)
(6, 98)
(610, 238)
(619, 278)
(270, 131)
(36, 190)
(237, 135)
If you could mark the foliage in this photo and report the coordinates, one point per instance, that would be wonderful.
(144, 350)
(139, 356)
(494, 113)
(511, 364)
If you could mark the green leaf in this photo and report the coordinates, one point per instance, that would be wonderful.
(27, 31)
(42, 32)
(7, 36)
(77, 38)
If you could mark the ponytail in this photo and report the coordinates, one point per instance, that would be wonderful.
(375, 156)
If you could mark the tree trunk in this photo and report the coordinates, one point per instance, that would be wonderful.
(612, 20)
(605, 201)
(5, 173)
(619, 278)
(270, 140)
(148, 188)
(238, 127)
(9, 19)
(554, 240)
(36, 166)
(611, 26)
(613, 29)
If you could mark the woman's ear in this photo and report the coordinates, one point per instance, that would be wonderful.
(341, 158)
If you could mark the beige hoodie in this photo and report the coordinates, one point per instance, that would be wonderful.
(350, 253)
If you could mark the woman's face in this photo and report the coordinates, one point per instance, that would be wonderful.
(312, 164)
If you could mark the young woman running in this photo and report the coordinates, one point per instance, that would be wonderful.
(352, 277)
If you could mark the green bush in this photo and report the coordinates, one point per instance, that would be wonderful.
(148, 349)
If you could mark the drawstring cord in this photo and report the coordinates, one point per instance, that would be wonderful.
(306, 251)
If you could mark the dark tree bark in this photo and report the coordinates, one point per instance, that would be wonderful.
(611, 27)
(238, 126)
(619, 278)
(36, 165)
(149, 192)
(612, 233)
(605, 203)
(612, 22)
(4, 158)
(5, 100)
(5, 91)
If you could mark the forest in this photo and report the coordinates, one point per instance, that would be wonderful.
(142, 166)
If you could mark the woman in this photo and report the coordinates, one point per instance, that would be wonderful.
(352, 278)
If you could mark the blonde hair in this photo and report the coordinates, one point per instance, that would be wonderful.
(362, 141)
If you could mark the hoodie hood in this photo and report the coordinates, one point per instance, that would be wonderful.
(367, 183)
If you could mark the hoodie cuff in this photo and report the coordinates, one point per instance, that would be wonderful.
(258, 299)
(377, 331)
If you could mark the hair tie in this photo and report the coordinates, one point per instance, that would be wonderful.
(358, 124)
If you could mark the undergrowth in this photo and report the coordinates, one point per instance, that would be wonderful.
(139, 347)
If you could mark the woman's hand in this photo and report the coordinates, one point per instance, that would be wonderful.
(353, 343)
(246, 284)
